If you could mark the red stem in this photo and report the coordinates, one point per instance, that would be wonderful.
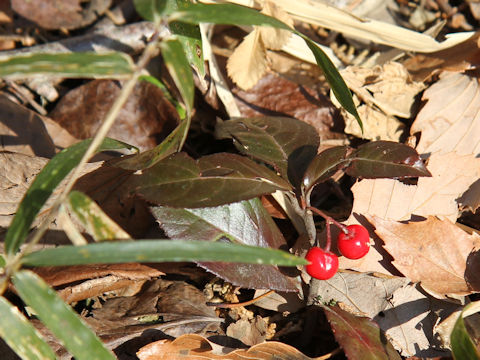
(328, 219)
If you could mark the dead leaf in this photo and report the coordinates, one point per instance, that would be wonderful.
(450, 119)
(274, 38)
(192, 346)
(56, 14)
(280, 301)
(274, 95)
(24, 131)
(144, 120)
(249, 332)
(248, 63)
(391, 199)
(432, 252)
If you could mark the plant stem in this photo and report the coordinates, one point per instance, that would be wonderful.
(328, 219)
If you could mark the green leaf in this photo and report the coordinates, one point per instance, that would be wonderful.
(44, 184)
(180, 181)
(386, 159)
(179, 68)
(152, 10)
(245, 222)
(285, 143)
(463, 346)
(359, 337)
(239, 15)
(20, 335)
(91, 216)
(73, 65)
(62, 321)
(158, 251)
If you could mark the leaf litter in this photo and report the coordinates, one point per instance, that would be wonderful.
(421, 267)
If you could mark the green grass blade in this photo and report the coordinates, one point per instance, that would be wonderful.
(42, 187)
(159, 251)
(463, 346)
(62, 321)
(20, 335)
(72, 65)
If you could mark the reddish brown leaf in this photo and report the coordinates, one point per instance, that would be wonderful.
(359, 337)
(56, 14)
(145, 119)
(432, 252)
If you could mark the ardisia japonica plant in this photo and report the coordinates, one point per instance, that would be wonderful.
(212, 198)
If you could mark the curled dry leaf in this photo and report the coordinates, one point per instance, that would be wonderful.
(274, 38)
(192, 346)
(432, 252)
(452, 175)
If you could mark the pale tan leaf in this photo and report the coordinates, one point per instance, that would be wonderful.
(195, 346)
(432, 252)
(274, 38)
(391, 199)
(248, 63)
(450, 120)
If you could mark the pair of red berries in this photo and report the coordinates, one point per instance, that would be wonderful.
(353, 244)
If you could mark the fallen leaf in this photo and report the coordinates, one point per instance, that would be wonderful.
(193, 346)
(249, 332)
(248, 63)
(274, 95)
(450, 119)
(145, 119)
(432, 252)
(279, 301)
(24, 131)
(56, 14)
(359, 337)
(390, 199)
(274, 38)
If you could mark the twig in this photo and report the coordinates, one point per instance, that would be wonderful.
(244, 303)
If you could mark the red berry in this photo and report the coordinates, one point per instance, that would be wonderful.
(355, 244)
(324, 264)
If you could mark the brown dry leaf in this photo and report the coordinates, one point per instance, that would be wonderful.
(248, 63)
(273, 38)
(274, 95)
(450, 120)
(193, 346)
(144, 120)
(24, 131)
(463, 56)
(432, 252)
(391, 199)
(249, 332)
(280, 301)
(387, 91)
(56, 14)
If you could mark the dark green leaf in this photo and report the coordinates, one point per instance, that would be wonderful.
(245, 222)
(339, 88)
(463, 346)
(94, 220)
(158, 251)
(239, 15)
(20, 335)
(179, 69)
(62, 321)
(168, 146)
(386, 159)
(44, 184)
(359, 337)
(80, 65)
(180, 181)
(285, 143)
(325, 165)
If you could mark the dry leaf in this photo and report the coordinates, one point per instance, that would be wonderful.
(248, 63)
(274, 38)
(391, 199)
(249, 332)
(450, 120)
(193, 346)
(432, 252)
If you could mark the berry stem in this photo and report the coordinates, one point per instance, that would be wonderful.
(329, 236)
(328, 219)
